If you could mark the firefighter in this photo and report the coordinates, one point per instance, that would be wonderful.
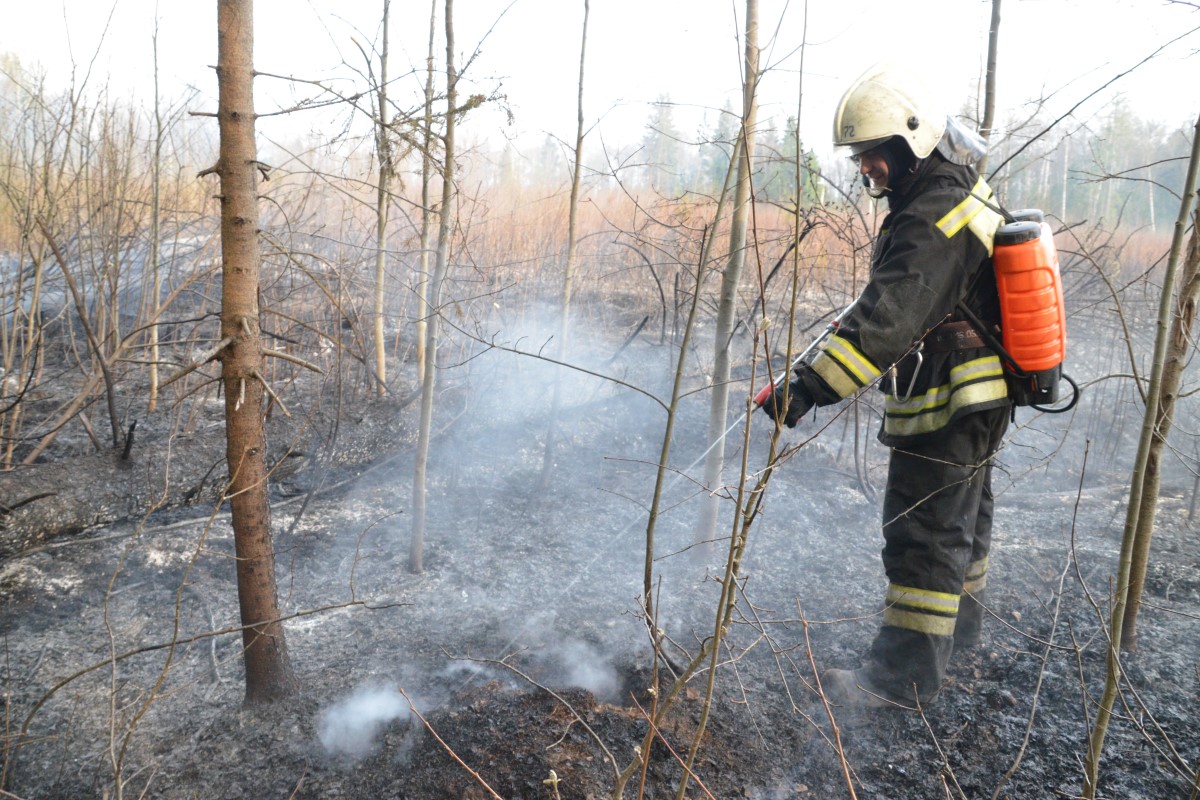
(946, 403)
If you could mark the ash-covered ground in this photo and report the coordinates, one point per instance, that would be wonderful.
(522, 647)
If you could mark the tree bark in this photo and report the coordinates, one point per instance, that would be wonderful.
(572, 247)
(427, 139)
(155, 235)
(719, 408)
(417, 546)
(268, 668)
(383, 147)
(989, 83)
(1178, 345)
(1138, 485)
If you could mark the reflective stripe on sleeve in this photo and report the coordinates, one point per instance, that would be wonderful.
(843, 366)
(921, 610)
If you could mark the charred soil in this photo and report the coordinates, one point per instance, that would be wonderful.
(518, 660)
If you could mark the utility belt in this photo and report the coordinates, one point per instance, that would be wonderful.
(944, 338)
(950, 336)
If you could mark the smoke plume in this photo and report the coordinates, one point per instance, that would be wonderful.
(349, 727)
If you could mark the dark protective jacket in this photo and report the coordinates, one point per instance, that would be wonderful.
(933, 250)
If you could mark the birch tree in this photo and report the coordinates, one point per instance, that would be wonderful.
(719, 408)
(427, 169)
(989, 83)
(155, 231)
(383, 147)
(429, 376)
(572, 255)
(1139, 517)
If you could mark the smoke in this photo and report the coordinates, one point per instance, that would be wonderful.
(584, 667)
(555, 662)
(349, 727)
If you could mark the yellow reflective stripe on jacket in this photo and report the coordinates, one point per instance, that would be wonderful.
(973, 212)
(843, 366)
(976, 580)
(973, 383)
(921, 610)
(961, 215)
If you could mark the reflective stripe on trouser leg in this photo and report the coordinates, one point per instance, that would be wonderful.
(921, 610)
(975, 580)
(968, 631)
(931, 511)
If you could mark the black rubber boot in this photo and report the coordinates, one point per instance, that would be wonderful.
(854, 690)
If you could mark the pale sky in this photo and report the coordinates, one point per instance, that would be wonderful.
(639, 50)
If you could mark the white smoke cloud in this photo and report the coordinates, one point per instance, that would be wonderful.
(585, 668)
(349, 727)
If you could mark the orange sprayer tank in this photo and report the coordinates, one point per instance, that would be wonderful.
(1033, 322)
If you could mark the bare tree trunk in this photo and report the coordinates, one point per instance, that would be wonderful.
(1139, 486)
(417, 549)
(1182, 325)
(382, 202)
(1180, 338)
(572, 234)
(1066, 177)
(989, 83)
(155, 233)
(1150, 187)
(426, 211)
(268, 669)
(719, 409)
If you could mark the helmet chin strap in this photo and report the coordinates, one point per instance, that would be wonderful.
(872, 189)
(901, 163)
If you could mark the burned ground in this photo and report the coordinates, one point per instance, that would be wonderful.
(522, 648)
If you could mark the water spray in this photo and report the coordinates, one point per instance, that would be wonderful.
(765, 393)
(761, 398)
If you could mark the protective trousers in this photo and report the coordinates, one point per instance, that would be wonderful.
(937, 530)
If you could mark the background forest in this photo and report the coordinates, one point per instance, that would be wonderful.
(465, 355)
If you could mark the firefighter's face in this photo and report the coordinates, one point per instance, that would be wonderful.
(873, 167)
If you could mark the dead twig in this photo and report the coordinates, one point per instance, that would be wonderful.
(847, 770)
(199, 361)
(270, 392)
(501, 662)
(657, 733)
(293, 359)
(1037, 689)
(448, 748)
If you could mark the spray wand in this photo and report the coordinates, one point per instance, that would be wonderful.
(766, 392)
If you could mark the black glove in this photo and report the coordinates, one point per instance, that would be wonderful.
(798, 404)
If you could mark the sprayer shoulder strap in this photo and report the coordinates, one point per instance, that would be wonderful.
(985, 331)
(999, 209)
(1008, 362)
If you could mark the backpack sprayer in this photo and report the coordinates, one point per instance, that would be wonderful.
(1033, 321)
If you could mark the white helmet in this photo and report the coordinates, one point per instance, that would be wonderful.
(886, 101)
